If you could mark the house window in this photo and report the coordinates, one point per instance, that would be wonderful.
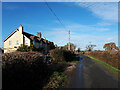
(26, 42)
(10, 43)
(17, 42)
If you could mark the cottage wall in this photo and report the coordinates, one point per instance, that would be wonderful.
(16, 40)
(26, 41)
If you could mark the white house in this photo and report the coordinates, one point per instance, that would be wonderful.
(18, 37)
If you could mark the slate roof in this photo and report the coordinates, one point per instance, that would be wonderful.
(30, 36)
(37, 39)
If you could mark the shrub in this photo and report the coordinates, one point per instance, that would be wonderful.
(68, 55)
(23, 48)
(60, 56)
(24, 70)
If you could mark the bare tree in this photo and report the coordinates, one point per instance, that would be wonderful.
(90, 47)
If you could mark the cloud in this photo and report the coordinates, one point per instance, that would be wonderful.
(80, 27)
(60, 36)
(99, 41)
(103, 10)
(104, 24)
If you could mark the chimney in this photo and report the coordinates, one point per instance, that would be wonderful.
(20, 29)
(39, 34)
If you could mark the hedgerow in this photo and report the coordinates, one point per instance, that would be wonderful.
(110, 58)
(24, 70)
(61, 56)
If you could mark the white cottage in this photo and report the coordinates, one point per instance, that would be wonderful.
(18, 37)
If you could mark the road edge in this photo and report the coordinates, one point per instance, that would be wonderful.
(111, 68)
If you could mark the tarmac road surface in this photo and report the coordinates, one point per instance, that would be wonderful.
(90, 74)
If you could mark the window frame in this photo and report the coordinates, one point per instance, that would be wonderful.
(17, 42)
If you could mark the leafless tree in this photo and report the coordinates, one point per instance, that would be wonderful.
(90, 47)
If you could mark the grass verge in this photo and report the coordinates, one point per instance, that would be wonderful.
(74, 61)
(113, 69)
(57, 80)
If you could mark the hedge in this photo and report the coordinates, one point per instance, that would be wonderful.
(61, 56)
(24, 70)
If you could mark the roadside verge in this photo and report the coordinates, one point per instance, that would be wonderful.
(113, 69)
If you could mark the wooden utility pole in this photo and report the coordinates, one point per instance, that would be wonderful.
(69, 40)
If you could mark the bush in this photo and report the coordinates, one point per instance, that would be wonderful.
(24, 70)
(61, 56)
(25, 48)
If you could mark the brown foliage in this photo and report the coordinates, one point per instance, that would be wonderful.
(110, 46)
(110, 58)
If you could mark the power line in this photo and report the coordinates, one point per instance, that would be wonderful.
(55, 14)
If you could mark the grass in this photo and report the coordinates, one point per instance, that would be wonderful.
(57, 80)
(74, 61)
(113, 69)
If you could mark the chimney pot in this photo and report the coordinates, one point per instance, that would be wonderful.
(21, 28)
(39, 34)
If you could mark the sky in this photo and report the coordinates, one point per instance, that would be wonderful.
(95, 22)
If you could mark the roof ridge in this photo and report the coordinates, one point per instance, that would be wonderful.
(10, 34)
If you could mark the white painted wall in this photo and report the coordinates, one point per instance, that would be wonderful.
(16, 36)
(26, 41)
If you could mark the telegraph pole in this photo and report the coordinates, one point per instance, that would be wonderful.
(69, 40)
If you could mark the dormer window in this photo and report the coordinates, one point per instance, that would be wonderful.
(17, 42)
(10, 43)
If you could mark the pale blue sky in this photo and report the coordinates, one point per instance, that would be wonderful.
(88, 22)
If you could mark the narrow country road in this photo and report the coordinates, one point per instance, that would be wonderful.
(90, 74)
